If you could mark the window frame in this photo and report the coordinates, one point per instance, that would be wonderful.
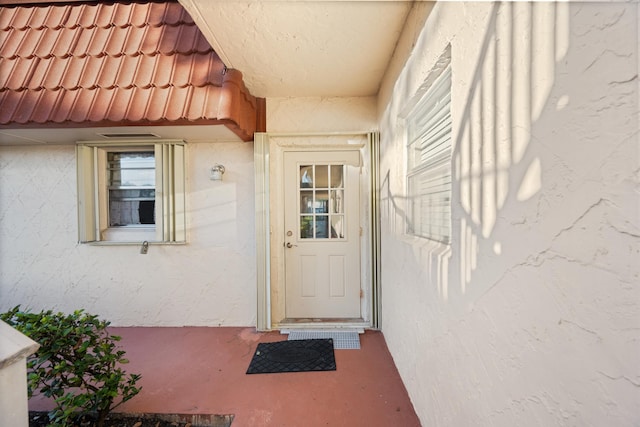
(93, 193)
(429, 206)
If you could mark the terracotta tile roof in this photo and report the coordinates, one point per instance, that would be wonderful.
(87, 64)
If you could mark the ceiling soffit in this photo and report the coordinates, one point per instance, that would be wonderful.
(304, 48)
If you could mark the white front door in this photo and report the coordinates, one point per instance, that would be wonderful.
(322, 234)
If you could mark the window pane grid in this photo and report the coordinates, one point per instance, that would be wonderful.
(321, 193)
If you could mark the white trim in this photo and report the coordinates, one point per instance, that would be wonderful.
(262, 227)
(263, 162)
(374, 230)
(355, 324)
(293, 134)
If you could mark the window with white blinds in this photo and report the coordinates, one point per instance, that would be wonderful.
(131, 192)
(428, 129)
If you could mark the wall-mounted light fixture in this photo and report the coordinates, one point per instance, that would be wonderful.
(216, 173)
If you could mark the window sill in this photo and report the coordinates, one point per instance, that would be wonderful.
(131, 236)
(138, 243)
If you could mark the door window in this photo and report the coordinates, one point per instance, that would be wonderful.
(321, 201)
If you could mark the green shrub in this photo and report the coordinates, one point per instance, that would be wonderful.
(77, 364)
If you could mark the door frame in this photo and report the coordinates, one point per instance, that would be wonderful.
(269, 149)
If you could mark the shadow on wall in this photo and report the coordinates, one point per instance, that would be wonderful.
(518, 166)
(495, 162)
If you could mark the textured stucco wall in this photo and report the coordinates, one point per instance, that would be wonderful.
(532, 315)
(209, 281)
(321, 114)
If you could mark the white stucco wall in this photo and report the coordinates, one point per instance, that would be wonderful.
(210, 281)
(532, 315)
(321, 114)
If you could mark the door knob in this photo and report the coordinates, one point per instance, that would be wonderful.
(289, 245)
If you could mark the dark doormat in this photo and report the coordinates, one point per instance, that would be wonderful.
(293, 356)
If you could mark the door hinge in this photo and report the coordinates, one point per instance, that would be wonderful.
(360, 231)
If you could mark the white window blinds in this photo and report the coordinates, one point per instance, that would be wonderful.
(429, 162)
(93, 198)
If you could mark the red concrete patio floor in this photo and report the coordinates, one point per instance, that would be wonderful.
(202, 371)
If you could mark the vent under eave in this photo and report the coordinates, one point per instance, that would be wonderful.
(128, 135)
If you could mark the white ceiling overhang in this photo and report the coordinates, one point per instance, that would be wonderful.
(304, 48)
